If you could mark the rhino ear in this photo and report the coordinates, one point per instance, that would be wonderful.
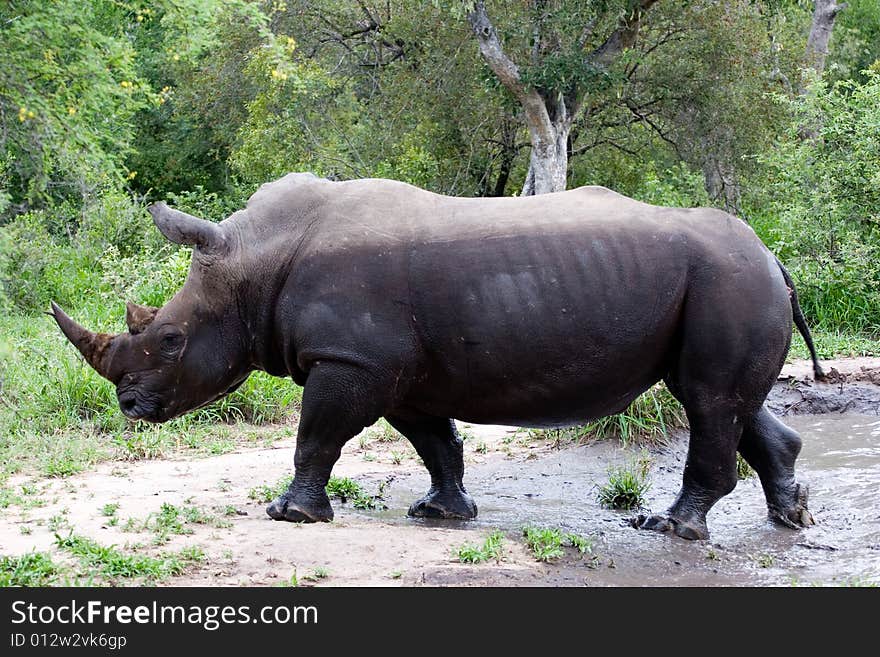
(138, 317)
(182, 228)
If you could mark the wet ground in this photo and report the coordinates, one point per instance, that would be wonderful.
(840, 462)
(516, 481)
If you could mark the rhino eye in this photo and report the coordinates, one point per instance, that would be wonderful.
(171, 343)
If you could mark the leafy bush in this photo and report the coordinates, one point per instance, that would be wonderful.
(824, 189)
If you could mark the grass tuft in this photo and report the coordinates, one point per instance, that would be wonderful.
(650, 418)
(547, 544)
(626, 487)
(341, 488)
(32, 569)
(112, 563)
(491, 549)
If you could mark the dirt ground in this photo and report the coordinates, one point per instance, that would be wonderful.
(517, 481)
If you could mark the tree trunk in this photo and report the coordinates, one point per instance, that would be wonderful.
(824, 14)
(548, 164)
(548, 114)
(722, 183)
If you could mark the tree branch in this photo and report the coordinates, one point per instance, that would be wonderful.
(624, 36)
(508, 72)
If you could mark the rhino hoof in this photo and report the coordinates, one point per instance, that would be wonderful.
(796, 517)
(661, 523)
(284, 509)
(460, 506)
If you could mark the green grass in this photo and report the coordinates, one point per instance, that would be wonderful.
(383, 432)
(626, 487)
(173, 520)
(650, 418)
(32, 569)
(270, 492)
(832, 344)
(112, 563)
(345, 490)
(290, 582)
(743, 469)
(92, 564)
(490, 549)
(27, 499)
(169, 520)
(317, 574)
(547, 544)
(340, 488)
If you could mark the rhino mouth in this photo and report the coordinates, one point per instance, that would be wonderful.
(137, 405)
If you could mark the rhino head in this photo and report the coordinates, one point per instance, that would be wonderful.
(186, 354)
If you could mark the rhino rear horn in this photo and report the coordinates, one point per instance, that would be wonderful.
(138, 318)
(182, 228)
(93, 346)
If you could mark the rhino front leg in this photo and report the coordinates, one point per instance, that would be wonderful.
(338, 402)
(441, 448)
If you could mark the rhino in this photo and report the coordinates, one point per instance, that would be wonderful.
(385, 300)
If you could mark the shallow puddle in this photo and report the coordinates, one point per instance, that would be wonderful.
(840, 462)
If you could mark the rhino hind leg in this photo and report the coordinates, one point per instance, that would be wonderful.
(338, 401)
(771, 448)
(441, 449)
(710, 469)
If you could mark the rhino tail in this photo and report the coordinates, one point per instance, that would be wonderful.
(801, 323)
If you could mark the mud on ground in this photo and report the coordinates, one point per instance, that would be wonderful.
(517, 481)
(850, 385)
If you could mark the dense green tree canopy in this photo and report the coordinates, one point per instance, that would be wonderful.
(106, 104)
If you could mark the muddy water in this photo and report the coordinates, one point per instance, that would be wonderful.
(840, 462)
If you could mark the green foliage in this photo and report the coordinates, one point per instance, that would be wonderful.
(113, 563)
(348, 490)
(626, 487)
(824, 189)
(491, 549)
(269, 492)
(341, 488)
(31, 569)
(70, 91)
(836, 343)
(743, 469)
(650, 417)
(676, 186)
(547, 544)
(292, 96)
(108, 105)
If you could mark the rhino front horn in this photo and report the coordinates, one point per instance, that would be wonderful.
(182, 228)
(93, 346)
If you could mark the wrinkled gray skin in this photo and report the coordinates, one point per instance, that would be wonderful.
(384, 300)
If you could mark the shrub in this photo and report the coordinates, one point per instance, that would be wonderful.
(824, 189)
